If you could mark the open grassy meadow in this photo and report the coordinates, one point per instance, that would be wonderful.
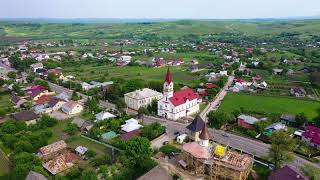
(173, 30)
(268, 104)
(106, 72)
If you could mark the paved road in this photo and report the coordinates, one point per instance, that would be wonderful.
(217, 100)
(250, 146)
(59, 89)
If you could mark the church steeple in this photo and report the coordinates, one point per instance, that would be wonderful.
(168, 76)
(168, 86)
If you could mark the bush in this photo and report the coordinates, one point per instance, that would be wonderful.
(168, 149)
(153, 130)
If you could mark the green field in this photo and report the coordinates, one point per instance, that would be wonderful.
(87, 73)
(79, 141)
(168, 30)
(234, 101)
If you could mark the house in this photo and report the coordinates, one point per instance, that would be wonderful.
(86, 127)
(72, 107)
(130, 125)
(52, 150)
(78, 122)
(81, 150)
(277, 71)
(63, 96)
(60, 163)
(298, 92)
(288, 119)
(56, 103)
(34, 67)
(103, 116)
(312, 136)
(195, 128)
(156, 173)
(175, 105)
(128, 135)
(246, 121)
(286, 173)
(35, 176)
(17, 101)
(109, 135)
(93, 84)
(274, 127)
(141, 98)
(29, 117)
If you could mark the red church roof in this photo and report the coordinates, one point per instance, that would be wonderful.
(180, 97)
(168, 76)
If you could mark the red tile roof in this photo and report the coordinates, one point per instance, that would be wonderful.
(210, 86)
(43, 99)
(313, 133)
(180, 97)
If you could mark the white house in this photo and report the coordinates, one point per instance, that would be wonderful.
(131, 125)
(175, 105)
(72, 107)
(141, 98)
(103, 116)
(36, 66)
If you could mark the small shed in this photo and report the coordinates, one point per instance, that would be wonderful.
(81, 150)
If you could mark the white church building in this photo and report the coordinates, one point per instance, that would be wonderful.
(175, 105)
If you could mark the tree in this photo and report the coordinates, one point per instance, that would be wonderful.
(281, 149)
(52, 77)
(153, 130)
(138, 149)
(47, 121)
(71, 128)
(301, 120)
(218, 119)
(12, 74)
(311, 171)
(153, 107)
(75, 96)
(93, 104)
(89, 175)
(30, 78)
(168, 149)
(142, 111)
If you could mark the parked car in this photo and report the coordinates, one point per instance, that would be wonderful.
(165, 142)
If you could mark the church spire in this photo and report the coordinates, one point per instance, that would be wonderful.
(168, 76)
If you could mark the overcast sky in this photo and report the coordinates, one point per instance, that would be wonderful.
(211, 9)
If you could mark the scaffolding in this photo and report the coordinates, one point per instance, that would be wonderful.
(233, 166)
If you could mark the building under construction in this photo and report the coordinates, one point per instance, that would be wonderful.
(213, 160)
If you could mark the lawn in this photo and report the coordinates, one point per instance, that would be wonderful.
(268, 104)
(77, 141)
(58, 133)
(88, 72)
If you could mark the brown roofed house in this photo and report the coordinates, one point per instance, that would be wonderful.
(29, 117)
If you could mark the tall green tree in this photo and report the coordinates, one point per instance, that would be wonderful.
(281, 150)
(218, 119)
